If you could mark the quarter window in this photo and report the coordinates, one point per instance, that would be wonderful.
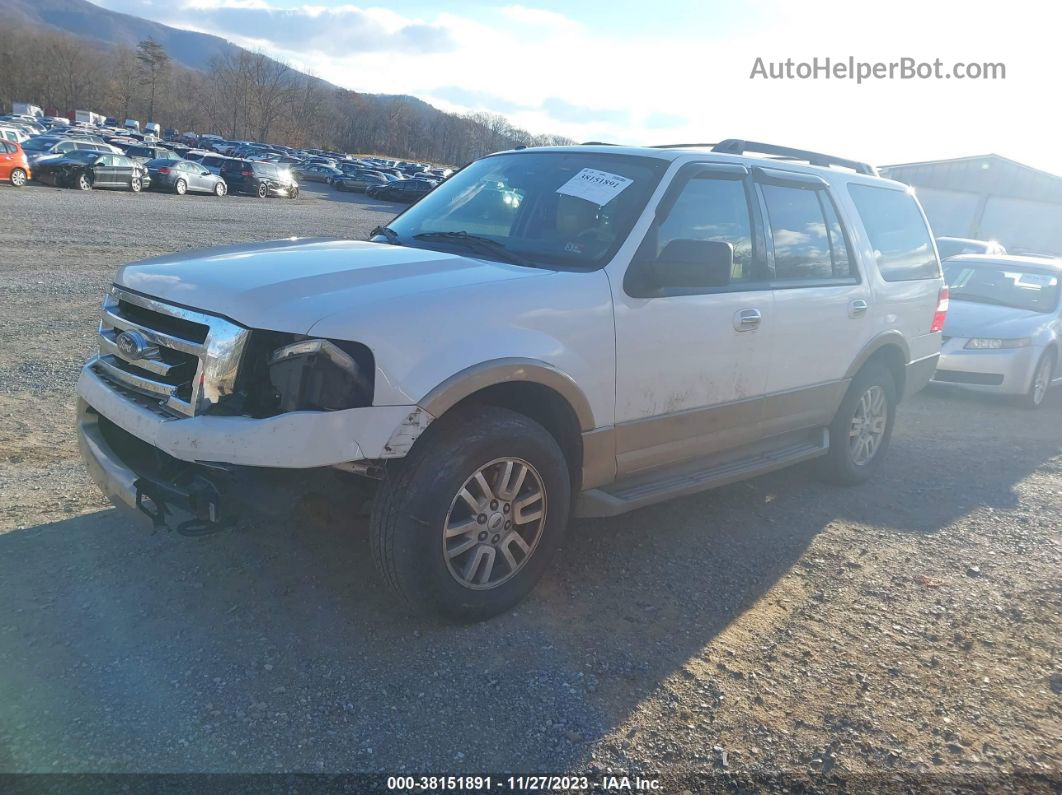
(897, 232)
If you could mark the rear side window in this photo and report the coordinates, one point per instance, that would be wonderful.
(6, 147)
(808, 240)
(898, 234)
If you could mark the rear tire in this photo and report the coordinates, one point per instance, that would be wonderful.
(861, 429)
(180, 187)
(422, 500)
(1041, 383)
(18, 177)
(263, 191)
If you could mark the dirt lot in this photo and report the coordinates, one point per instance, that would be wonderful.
(908, 627)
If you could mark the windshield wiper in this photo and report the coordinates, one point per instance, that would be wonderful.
(387, 232)
(483, 244)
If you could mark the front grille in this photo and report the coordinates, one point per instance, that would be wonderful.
(964, 377)
(167, 357)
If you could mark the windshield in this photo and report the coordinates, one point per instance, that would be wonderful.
(570, 209)
(1001, 284)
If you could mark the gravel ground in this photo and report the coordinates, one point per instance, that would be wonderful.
(907, 629)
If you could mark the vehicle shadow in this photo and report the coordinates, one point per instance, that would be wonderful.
(276, 647)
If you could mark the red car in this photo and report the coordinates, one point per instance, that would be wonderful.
(13, 164)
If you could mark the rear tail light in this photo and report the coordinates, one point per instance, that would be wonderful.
(246, 173)
(164, 171)
(941, 313)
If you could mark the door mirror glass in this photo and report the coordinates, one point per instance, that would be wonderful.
(695, 264)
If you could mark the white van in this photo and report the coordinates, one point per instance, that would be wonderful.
(152, 128)
(132, 124)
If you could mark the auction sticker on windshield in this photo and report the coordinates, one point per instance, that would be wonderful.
(595, 186)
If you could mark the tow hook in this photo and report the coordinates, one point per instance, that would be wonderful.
(198, 497)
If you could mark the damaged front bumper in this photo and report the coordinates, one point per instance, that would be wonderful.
(198, 474)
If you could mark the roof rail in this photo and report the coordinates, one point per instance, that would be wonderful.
(597, 143)
(735, 146)
(681, 146)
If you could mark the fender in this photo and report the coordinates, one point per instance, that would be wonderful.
(500, 371)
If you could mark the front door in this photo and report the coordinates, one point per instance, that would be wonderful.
(692, 363)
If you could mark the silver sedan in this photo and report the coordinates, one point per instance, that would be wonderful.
(184, 176)
(1003, 333)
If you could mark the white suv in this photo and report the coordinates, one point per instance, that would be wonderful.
(586, 329)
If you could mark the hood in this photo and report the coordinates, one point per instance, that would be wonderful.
(288, 285)
(971, 319)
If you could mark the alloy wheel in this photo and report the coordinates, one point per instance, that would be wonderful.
(494, 523)
(18, 177)
(868, 425)
(1041, 381)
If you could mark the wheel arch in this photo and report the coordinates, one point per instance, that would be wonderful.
(533, 388)
(889, 349)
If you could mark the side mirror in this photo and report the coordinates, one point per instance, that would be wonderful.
(694, 264)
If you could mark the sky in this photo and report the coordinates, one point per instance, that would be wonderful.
(680, 71)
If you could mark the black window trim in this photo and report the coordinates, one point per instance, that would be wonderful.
(733, 172)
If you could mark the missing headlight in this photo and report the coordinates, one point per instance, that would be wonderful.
(317, 375)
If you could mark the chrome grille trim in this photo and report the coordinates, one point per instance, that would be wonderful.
(216, 358)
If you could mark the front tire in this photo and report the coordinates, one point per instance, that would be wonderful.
(1041, 382)
(293, 193)
(220, 189)
(18, 177)
(466, 524)
(862, 428)
(136, 185)
(83, 182)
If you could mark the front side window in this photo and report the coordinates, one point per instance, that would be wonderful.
(898, 233)
(716, 210)
(569, 209)
(807, 236)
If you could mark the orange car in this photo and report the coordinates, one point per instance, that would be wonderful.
(13, 164)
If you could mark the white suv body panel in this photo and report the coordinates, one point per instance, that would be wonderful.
(653, 382)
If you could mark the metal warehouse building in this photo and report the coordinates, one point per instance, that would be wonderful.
(988, 197)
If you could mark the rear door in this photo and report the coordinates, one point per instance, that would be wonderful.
(103, 171)
(124, 168)
(821, 300)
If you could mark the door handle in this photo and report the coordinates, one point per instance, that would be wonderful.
(857, 307)
(747, 319)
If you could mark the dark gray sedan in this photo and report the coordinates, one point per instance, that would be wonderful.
(182, 176)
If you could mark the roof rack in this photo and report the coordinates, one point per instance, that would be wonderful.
(735, 146)
(681, 146)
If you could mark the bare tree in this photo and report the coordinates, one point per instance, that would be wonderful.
(154, 66)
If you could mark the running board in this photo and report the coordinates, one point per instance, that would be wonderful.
(691, 478)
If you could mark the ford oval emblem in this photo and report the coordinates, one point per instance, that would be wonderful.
(131, 345)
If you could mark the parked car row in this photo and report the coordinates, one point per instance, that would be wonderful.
(108, 155)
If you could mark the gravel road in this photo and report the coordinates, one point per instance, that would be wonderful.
(908, 627)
